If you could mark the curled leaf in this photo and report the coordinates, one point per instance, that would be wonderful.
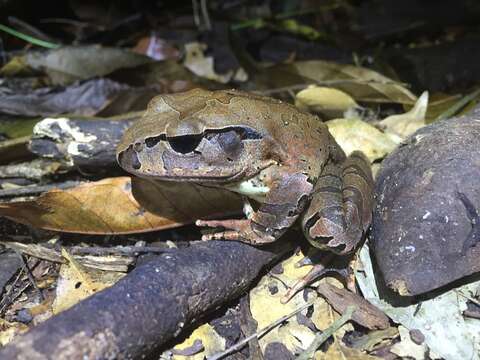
(405, 124)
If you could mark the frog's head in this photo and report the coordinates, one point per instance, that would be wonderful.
(193, 138)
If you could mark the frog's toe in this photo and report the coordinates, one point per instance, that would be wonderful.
(232, 224)
(223, 235)
(304, 262)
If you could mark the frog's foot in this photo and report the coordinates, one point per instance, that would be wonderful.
(240, 230)
(315, 273)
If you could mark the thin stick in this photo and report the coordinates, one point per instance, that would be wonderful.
(320, 338)
(41, 252)
(6, 300)
(29, 28)
(34, 190)
(124, 250)
(30, 275)
(260, 333)
(206, 17)
(455, 108)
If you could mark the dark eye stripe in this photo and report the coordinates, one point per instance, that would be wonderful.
(152, 141)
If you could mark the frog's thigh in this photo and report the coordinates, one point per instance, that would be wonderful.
(340, 208)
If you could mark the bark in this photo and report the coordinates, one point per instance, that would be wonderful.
(79, 143)
(150, 306)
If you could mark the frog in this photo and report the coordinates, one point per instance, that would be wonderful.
(283, 161)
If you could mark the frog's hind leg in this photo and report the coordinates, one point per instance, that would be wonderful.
(339, 213)
(341, 207)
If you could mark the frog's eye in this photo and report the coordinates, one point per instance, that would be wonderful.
(185, 144)
(230, 142)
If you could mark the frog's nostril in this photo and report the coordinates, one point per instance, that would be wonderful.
(135, 162)
(138, 147)
(185, 144)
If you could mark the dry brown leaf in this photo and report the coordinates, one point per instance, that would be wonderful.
(108, 207)
(71, 63)
(361, 83)
(365, 313)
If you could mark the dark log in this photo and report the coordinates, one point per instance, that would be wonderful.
(150, 306)
(86, 144)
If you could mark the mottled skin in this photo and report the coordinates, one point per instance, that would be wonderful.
(283, 158)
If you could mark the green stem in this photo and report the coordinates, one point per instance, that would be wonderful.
(28, 38)
(260, 22)
(322, 337)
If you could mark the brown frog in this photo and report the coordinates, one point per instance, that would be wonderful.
(283, 159)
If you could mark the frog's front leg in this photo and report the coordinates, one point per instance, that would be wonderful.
(280, 208)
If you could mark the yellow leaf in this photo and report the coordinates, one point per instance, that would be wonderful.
(212, 343)
(329, 102)
(8, 330)
(266, 307)
(355, 134)
(201, 65)
(75, 283)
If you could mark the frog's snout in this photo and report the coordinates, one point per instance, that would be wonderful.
(128, 159)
